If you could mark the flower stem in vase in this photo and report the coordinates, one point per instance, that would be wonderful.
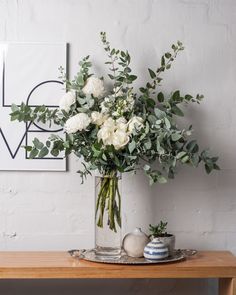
(108, 216)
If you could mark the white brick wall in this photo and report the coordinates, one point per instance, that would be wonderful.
(52, 211)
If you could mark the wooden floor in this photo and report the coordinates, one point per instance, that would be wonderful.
(60, 265)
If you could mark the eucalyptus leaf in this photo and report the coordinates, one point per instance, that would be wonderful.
(159, 113)
(44, 151)
(33, 154)
(176, 136)
(160, 97)
(177, 111)
(185, 159)
(37, 144)
(161, 179)
(152, 73)
(132, 146)
(167, 123)
(180, 155)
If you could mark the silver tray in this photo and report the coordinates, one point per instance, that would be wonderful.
(90, 255)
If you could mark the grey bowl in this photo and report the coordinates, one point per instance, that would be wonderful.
(169, 241)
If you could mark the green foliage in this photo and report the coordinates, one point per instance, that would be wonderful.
(25, 113)
(119, 65)
(158, 230)
(158, 148)
(80, 78)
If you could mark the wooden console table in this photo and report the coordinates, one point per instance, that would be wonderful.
(60, 265)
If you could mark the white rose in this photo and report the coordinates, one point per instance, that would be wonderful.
(98, 118)
(67, 100)
(109, 123)
(76, 123)
(121, 124)
(121, 120)
(120, 139)
(114, 132)
(106, 135)
(94, 86)
(135, 123)
(106, 132)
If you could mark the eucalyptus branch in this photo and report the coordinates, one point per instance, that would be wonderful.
(166, 62)
(124, 77)
(113, 56)
(43, 114)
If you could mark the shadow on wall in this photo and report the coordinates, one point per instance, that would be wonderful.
(107, 287)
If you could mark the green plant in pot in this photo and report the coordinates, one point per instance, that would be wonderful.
(160, 231)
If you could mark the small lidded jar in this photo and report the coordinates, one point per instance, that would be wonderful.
(156, 250)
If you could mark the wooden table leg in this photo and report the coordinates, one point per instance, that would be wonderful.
(227, 286)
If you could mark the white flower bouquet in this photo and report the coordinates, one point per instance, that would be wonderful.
(114, 129)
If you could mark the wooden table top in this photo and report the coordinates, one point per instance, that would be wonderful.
(51, 265)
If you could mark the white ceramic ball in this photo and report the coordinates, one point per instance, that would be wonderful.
(134, 243)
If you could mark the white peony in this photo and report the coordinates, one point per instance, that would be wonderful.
(106, 135)
(98, 118)
(135, 123)
(106, 132)
(120, 139)
(109, 123)
(67, 100)
(121, 124)
(121, 120)
(94, 86)
(114, 133)
(76, 123)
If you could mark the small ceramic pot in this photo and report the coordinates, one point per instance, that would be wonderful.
(156, 250)
(134, 243)
(169, 241)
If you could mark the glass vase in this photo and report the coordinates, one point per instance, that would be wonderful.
(108, 238)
